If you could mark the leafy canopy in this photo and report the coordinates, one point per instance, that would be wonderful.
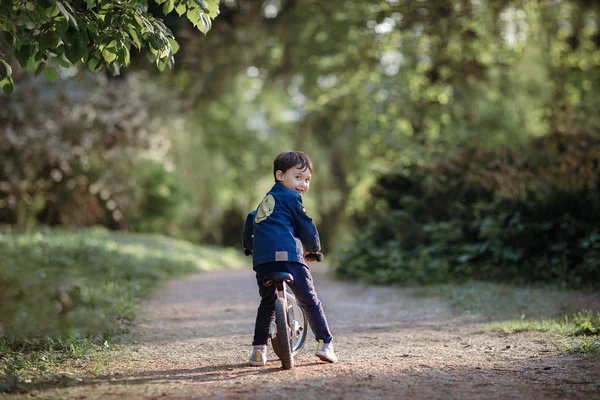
(45, 34)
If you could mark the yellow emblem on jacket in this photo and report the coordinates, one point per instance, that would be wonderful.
(265, 208)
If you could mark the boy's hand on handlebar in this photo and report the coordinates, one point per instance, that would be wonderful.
(312, 257)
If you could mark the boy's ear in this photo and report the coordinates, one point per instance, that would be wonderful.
(279, 175)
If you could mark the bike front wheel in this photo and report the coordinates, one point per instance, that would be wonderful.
(283, 335)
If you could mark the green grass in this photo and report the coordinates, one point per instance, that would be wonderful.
(578, 324)
(66, 293)
(582, 330)
(512, 309)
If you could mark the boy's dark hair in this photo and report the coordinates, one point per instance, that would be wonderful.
(290, 158)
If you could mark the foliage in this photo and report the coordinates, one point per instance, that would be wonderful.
(85, 152)
(44, 35)
(524, 216)
(77, 282)
(363, 87)
(223, 157)
(379, 83)
(160, 195)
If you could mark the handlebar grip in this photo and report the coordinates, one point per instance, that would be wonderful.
(247, 252)
(318, 257)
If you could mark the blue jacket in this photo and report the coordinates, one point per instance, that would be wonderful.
(280, 229)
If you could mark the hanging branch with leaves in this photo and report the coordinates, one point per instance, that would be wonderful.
(45, 34)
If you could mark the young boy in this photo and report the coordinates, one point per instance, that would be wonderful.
(280, 233)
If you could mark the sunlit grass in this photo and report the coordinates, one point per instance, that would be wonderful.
(578, 324)
(65, 293)
(518, 309)
(78, 281)
(582, 330)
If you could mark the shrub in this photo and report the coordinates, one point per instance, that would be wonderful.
(518, 216)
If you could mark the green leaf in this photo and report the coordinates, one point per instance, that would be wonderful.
(155, 43)
(114, 68)
(127, 56)
(73, 51)
(63, 10)
(202, 4)
(61, 25)
(82, 46)
(193, 14)
(109, 55)
(73, 23)
(168, 7)
(144, 23)
(95, 64)
(205, 24)
(7, 85)
(51, 73)
(213, 8)
(31, 65)
(40, 68)
(45, 40)
(30, 6)
(5, 69)
(174, 46)
(134, 37)
(52, 12)
(62, 62)
(181, 9)
(139, 20)
(23, 55)
(162, 64)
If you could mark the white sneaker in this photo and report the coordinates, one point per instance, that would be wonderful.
(325, 352)
(259, 356)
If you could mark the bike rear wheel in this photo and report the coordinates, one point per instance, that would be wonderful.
(283, 335)
(297, 324)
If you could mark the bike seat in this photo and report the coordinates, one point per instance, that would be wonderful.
(269, 279)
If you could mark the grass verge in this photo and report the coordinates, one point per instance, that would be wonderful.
(511, 309)
(66, 295)
(581, 330)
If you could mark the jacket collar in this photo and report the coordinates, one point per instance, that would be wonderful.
(279, 188)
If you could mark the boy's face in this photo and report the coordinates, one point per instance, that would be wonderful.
(295, 179)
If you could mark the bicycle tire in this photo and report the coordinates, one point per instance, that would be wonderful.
(283, 336)
(295, 344)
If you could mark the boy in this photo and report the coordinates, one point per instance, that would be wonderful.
(280, 233)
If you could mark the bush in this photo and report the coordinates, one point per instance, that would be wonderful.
(515, 216)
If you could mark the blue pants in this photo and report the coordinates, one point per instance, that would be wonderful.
(306, 297)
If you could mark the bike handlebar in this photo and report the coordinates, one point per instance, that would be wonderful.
(318, 257)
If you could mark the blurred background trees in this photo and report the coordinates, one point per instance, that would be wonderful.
(452, 139)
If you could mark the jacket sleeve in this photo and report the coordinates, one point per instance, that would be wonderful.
(248, 232)
(304, 227)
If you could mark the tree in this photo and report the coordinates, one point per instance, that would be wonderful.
(44, 34)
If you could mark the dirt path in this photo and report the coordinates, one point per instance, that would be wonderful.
(194, 340)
